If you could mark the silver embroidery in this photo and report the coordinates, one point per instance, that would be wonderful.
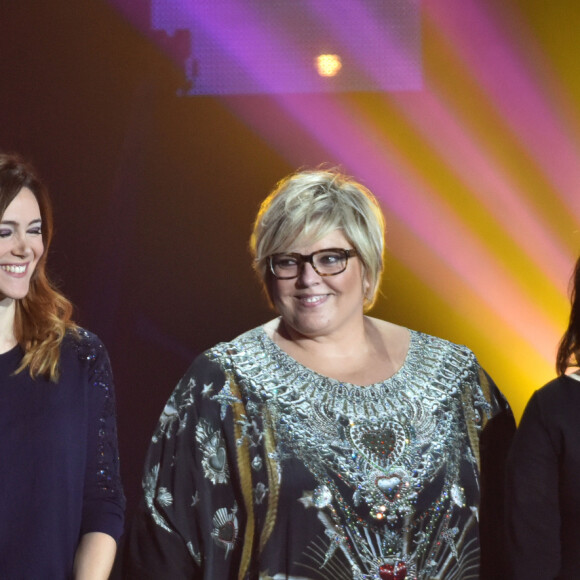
(195, 555)
(225, 529)
(260, 492)
(175, 415)
(149, 489)
(390, 459)
(213, 449)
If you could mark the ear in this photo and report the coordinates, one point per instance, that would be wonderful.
(366, 285)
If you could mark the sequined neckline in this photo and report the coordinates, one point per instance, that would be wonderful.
(278, 354)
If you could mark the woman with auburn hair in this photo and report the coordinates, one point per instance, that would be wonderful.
(61, 498)
(543, 500)
(324, 444)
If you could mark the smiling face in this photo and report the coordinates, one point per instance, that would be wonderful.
(312, 305)
(21, 245)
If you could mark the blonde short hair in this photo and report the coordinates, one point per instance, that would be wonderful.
(309, 205)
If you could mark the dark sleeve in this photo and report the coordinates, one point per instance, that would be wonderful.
(188, 520)
(103, 499)
(495, 441)
(533, 517)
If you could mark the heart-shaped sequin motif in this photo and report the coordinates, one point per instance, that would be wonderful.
(381, 443)
(218, 459)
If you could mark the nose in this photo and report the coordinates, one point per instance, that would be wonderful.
(21, 246)
(308, 275)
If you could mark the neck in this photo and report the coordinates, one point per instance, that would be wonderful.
(7, 312)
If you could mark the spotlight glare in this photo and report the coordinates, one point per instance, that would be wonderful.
(328, 65)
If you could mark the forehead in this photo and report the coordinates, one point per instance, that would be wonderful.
(24, 207)
(333, 239)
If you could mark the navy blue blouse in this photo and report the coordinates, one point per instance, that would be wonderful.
(59, 465)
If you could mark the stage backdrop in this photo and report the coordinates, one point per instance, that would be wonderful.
(467, 131)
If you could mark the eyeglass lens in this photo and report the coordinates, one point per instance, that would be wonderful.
(325, 262)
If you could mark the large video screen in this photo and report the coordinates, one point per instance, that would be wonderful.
(292, 46)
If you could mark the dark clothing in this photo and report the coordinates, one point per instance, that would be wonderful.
(60, 467)
(543, 488)
(262, 468)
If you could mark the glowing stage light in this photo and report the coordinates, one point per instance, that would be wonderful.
(328, 65)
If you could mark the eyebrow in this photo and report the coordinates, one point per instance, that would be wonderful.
(14, 223)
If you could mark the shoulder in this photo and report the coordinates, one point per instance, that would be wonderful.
(210, 365)
(208, 373)
(559, 386)
(204, 389)
(440, 343)
(442, 350)
(81, 338)
(83, 347)
(250, 340)
(552, 412)
(456, 365)
(394, 333)
(560, 395)
(425, 350)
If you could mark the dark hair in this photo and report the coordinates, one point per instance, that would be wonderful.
(43, 316)
(569, 349)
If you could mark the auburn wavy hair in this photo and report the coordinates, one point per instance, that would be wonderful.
(43, 316)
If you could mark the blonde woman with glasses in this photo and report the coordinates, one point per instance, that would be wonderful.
(324, 443)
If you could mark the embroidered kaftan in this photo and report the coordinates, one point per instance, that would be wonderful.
(262, 468)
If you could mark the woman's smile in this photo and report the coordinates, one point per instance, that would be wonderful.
(313, 300)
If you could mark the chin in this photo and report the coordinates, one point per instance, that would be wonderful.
(311, 331)
(16, 295)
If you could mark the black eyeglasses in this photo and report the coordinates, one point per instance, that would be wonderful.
(328, 262)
